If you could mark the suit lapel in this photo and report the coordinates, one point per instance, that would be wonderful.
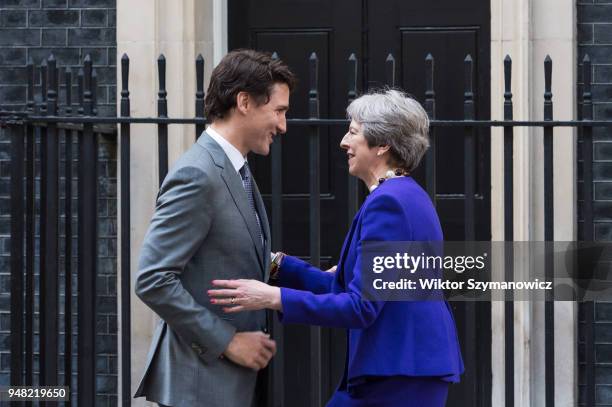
(236, 189)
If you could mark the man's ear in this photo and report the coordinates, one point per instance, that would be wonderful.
(242, 102)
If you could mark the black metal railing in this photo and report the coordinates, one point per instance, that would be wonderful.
(49, 119)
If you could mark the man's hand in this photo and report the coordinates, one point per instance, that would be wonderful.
(251, 349)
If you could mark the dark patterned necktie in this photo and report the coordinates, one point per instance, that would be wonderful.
(247, 183)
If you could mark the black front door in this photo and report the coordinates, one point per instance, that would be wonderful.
(408, 30)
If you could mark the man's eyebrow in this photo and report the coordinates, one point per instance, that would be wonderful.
(283, 107)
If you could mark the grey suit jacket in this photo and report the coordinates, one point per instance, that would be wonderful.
(203, 229)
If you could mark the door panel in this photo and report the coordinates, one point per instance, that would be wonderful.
(295, 29)
(447, 29)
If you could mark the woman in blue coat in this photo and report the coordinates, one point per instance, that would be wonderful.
(400, 353)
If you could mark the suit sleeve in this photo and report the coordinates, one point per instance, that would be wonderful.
(295, 273)
(382, 221)
(179, 225)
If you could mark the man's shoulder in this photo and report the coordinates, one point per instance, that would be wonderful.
(194, 165)
(198, 157)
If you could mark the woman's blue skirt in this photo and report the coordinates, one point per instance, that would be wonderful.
(394, 391)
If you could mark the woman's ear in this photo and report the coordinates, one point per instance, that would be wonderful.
(382, 149)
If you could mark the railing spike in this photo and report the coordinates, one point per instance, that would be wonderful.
(548, 104)
(52, 86)
(162, 109)
(430, 104)
(313, 93)
(390, 70)
(68, 84)
(125, 74)
(87, 95)
(94, 92)
(125, 93)
(199, 96)
(352, 77)
(507, 87)
(43, 86)
(468, 95)
(31, 79)
(80, 76)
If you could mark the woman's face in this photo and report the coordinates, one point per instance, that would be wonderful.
(361, 158)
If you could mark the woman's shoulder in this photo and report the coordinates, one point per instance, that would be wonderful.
(402, 201)
(404, 191)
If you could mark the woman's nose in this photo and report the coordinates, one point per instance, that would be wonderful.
(344, 142)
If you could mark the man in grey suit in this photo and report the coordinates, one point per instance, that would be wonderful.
(210, 223)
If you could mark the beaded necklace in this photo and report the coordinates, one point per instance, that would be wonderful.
(398, 172)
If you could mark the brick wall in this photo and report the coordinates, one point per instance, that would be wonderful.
(595, 39)
(70, 29)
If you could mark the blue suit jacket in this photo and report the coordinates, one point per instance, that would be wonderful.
(407, 338)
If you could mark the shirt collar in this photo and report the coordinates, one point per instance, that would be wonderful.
(231, 152)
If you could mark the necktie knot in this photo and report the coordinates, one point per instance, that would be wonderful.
(244, 171)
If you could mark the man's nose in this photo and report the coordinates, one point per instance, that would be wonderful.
(281, 127)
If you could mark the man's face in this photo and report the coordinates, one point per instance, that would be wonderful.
(267, 120)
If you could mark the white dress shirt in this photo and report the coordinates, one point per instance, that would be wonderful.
(235, 157)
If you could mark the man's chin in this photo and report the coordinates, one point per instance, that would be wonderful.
(262, 151)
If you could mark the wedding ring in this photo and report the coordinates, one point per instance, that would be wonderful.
(233, 300)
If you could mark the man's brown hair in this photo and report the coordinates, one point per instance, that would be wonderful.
(244, 70)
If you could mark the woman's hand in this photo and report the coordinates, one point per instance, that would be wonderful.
(332, 269)
(245, 295)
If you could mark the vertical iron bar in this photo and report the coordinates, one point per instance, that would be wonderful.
(17, 171)
(42, 314)
(587, 150)
(587, 227)
(549, 310)
(390, 70)
(508, 233)
(30, 233)
(469, 165)
(353, 182)
(469, 230)
(277, 384)
(365, 45)
(88, 254)
(50, 237)
(162, 111)
(430, 108)
(68, 239)
(277, 190)
(199, 97)
(316, 339)
(126, 290)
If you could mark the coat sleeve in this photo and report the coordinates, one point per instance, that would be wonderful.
(383, 220)
(179, 225)
(297, 274)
